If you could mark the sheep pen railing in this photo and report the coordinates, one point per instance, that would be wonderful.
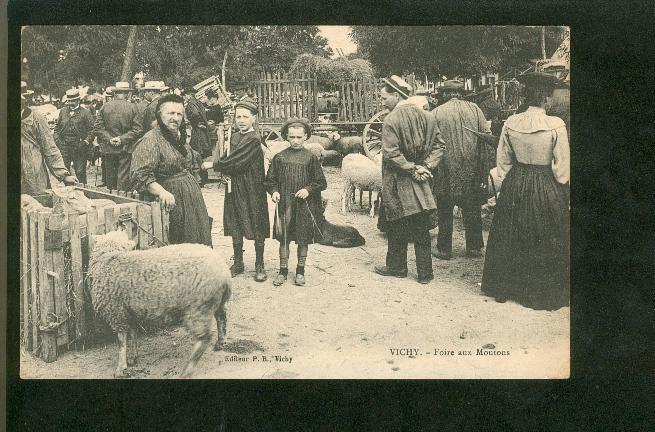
(55, 313)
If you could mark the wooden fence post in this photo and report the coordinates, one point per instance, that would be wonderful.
(34, 280)
(77, 278)
(57, 226)
(48, 338)
(25, 276)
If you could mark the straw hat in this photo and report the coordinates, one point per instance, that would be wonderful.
(399, 85)
(122, 86)
(72, 94)
(154, 85)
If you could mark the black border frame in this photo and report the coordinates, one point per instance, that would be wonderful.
(611, 316)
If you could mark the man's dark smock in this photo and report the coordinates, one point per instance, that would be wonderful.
(196, 115)
(245, 211)
(467, 162)
(490, 108)
(118, 117)
(290, 171)
(409, 138)
(73, 127)
(157, 157)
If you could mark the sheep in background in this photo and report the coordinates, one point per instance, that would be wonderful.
(364, 174)
(348, 144)
(128, 287)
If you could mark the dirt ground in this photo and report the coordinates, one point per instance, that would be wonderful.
(348, 322)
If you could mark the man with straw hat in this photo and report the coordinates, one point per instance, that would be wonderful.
(119, 126)
(38, 151)
(74, 134)
(411, 149)
(152, 91)
(466, 166)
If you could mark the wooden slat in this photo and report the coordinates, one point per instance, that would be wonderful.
(302, 101)
(358, 101)
(164, 224)
(259, 103)
(342, 102)
(276, 98)
(143, 217)
(48, 350)
(60, 223)
(287, 99)
(315, 100)
(269, 89)
(79, 323)
(25, 272)
(101, 194)
(365, 87)
(110, 219)
(33, 217)
(155, 211)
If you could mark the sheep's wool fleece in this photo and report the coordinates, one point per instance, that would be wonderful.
(151, 284)
(362, 171)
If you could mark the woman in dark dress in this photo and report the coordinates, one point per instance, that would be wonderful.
(295, 180)
(163, 166)
(245, 211)
(527, 257)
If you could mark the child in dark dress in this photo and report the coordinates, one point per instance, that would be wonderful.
(295, 180)
(245, 211)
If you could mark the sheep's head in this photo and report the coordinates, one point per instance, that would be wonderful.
(114, 241)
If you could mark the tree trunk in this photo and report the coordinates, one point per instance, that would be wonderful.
(543, 42)
(223, 71)
(130, 51)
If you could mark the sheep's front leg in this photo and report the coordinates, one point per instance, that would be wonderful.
(374, 203)
(345, 197)
(198, 351)
(221, 327)
(122, 355)
(132, 352)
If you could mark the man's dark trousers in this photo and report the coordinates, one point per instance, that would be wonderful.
(117, 170)
(472, 224)
(402, 232)
(75, 153)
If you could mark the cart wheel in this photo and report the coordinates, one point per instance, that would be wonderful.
(372, 137)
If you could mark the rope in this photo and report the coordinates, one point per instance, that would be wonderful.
(313, 220)
(127, 217)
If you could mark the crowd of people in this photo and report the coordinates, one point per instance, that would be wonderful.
(433, 160)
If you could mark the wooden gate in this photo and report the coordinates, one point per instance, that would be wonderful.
(282, 96)
(360, 99)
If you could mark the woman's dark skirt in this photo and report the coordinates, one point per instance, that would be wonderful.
(188, 221)
(527, 258)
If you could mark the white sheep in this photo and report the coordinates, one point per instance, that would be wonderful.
(129, 287)
(361, 173)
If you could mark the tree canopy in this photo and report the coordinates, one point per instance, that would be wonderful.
(180, 55)
(451, 50)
